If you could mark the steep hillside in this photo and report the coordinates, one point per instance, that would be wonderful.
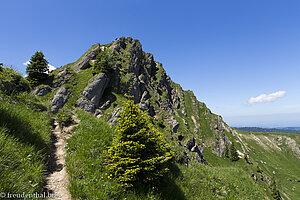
(93, 89)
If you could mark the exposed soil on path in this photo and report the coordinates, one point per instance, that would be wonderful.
(57, 180)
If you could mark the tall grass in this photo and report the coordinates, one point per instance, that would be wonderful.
(24, 145)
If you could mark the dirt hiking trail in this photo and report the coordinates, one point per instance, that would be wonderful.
(57, 180)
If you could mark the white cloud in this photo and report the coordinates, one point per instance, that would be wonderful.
(26, 63)
(266, 97)
(51, 67)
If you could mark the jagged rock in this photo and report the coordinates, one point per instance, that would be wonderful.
(62, 78)
(59, 99)
(42, 91)
(136, 57)
(137, 89)
(94, 90)
(118, 44)
(85, 105)
(115, 115)
(98, 113)
(191, 142)
(83, 63)
(175, 99)
(194, 147)
(254, 176)
(174, 124)
(184, 111)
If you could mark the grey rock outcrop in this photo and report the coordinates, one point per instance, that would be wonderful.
(198, 149)
(174, 124)
(85, 105)
(83, 63)
(61, 78)
(93, 93)
(94, 90)
(118, 44)
(253, 176)
(115, 115)
(42, 91)
(59, 99)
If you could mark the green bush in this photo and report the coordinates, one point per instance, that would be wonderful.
(12, 81)
(139, 153)
(104, 62)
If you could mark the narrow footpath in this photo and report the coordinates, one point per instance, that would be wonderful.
(57, 180)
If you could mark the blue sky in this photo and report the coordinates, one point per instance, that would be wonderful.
(224, 51)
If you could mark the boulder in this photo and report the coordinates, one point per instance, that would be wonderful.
(42, 90)
(94, 90)
(59, 99)
(83, 62)
(85, 105)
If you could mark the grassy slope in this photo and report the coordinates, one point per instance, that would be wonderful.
(283, 162)
(24, 144)
(89, 179)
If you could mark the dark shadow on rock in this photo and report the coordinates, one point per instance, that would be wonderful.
(22, 131)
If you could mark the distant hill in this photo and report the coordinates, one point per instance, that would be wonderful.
(270, 130)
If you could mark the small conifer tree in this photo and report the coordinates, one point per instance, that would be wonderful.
(37, 68)
(233, 153)
(139, 153)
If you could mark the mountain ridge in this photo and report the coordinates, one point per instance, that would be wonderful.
(93, 89)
